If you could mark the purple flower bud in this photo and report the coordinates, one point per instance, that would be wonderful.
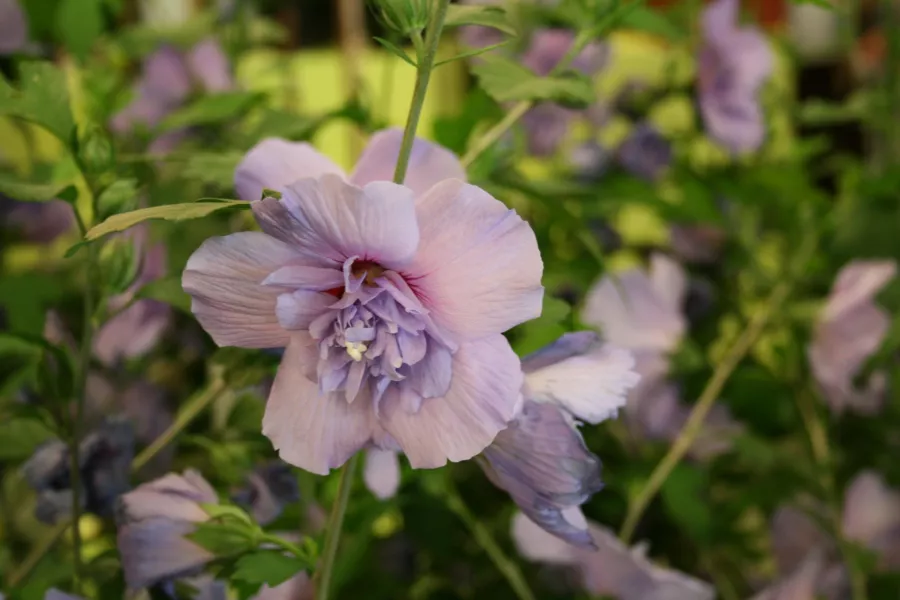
(153, 520)
(13, 27)
(36, 222)
(105, 459)
(645, 153)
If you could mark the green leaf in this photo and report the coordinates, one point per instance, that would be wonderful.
(168, 212)
(27, 191)
(271, 567)
(650, 20)
(396, 51)
(505, 80)
(43, 99)
(470, 53)
(486, 16)
(79, 24)
(213, 168)
(208, 110)
(227, 511)
(19, 357)
(120, 195)
(167, 290)
(21, 436)
(222, 539)
(682, 495)
(819, 3)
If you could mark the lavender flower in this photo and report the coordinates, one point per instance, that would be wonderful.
(799, 585)
(734, 63)
(541, 458)
(105, 458)
(390, 300)
(166, 84)
(36, 222)
(153, 520)
(140, 324)
(850, 328)
(269, 488)
(642, 312)
(871, 518)
(611, 569)
(13, 27)
(645, 153)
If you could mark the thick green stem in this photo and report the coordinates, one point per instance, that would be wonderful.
(425, 64)
(507, 567)
(333, 530)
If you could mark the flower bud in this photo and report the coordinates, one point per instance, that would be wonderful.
(119, 263)
(95, 150)
(404, 16)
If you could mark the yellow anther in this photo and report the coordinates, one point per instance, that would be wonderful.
(355, 350)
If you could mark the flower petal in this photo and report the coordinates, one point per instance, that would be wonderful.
(224, 277)
(296, 310)
(484, 396)
(337, 220)
(631, 313)
(537, 544)
(209, 64)
(155, 549)
(306, 277)
(478, 269)
(719, 20)
(13, 27)
(800, 585)
(669, 281)
(274, 163)
(592, 385)
(429, 163)
(858, 283)
(310, 430)
(541, 460)
(382, 473)
(871, 509)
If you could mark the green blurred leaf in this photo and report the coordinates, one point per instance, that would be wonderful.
(167, 290)
(43, 99)
(650, 20)
(19, 357)
(214, 168)
(486, 16)
(222, 539)
(228, 511)
(20, 437)
(208, 110)
(79, 24)
(819, 3)
(168, 212)
(271, 567)
(506, 80)
(28, 191)
(120, 195)
(682, 495)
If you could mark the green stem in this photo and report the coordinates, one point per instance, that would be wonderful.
(818, 442)
(333, 529)
(713, 388)
(284, 545)
(425, 64)
(507, 567)
(195, 405)
(518, 111)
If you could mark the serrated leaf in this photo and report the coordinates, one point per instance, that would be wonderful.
(271, 567)
(28, 191)
(79, 23)
(228, 511)
(505, 80)
(168, 212)
(396, 51)
(167, 290)
(486, 16)
(43, 99)
(650, 20)
(208, 110)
